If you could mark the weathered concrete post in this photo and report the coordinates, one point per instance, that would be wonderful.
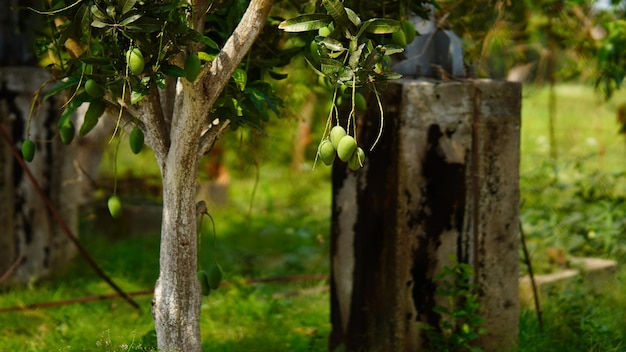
(29, 235)
(27, 228)
(442, 181)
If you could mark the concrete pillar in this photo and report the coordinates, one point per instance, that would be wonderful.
(442, 181)
(26, 226)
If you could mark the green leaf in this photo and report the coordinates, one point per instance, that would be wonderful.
(81, 22)
(209, 42)
(145, 25)
(205, 56)
(355, 54)
(136, 97)
(305, 23)
(330, 67)
(353, 17)
(240, 77)
(98, 14)
(98, 24)
(128, 5)
(380, 26)
(93, 113)
(390, 49)
(331, 44)
(277, 76)
(173, 70)
(62, 85)
(338, 13)
(130, 19)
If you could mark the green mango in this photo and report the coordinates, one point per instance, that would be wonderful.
(192, 67)
(203, 277)
(115, 206)
(215, 275)
(136, 140)
(346, 148)
(326, 152)
(135, 60)
(28, 150)
(94, 89)
(336, 134)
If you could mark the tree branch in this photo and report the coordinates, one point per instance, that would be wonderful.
(156, 131)
(215, 76)
(208, 138)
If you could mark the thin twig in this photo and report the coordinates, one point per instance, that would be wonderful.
(57, 217)
(13, 267)
(254, 188)
(476, 99)
(532, 276)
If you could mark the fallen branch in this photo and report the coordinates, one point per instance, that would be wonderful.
(304, 292)
(73, 301)
(87, 299)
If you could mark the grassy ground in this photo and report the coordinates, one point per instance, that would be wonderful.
(284, 230)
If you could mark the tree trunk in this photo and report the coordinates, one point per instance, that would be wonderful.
(177, 296)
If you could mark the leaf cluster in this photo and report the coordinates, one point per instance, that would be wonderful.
(347, 51)
(90, 40)
(460, 321)
(611, 58)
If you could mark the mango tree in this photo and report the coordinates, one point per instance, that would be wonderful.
(173, 74)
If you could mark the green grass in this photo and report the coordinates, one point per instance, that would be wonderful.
(284, 230)
(575, 203)
(578, 319)
(285, 233)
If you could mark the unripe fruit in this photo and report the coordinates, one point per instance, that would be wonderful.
(94, 89)
(408, 27)
(357, 160)
(215, 276)
(326, 152)
(67, 132)
(94, 111)
(115, 206)
(204, 282)
(135, 60)
(346, 148)
(136, 140)
(28, 150)
(359, 102)
(399, 38)
(192, 67)
(336, 134)
(324, 31)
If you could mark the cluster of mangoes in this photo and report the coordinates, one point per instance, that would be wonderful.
(343, 146)
(211, 279)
